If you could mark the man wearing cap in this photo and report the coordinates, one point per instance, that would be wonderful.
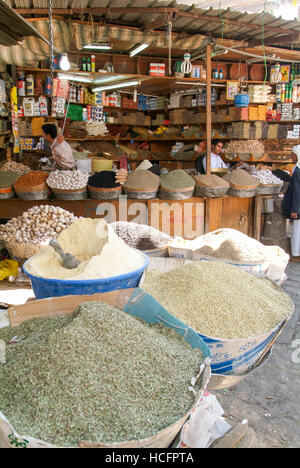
(291, 204)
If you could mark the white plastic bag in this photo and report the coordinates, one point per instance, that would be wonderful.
(205, 424)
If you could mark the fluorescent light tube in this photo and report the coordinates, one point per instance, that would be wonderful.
(108, 79)
(116, 86)
(138, 49)
(98, 46)
(81, 79)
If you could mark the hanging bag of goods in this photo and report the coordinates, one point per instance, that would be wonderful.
(32, 186)
(177, 185)
(68, 185)
(141, 185)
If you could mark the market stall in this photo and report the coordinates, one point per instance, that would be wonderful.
(157, 107)
(106, 211)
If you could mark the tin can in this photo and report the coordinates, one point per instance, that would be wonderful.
(21, 85)
(30, 85)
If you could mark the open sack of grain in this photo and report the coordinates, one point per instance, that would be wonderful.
(235, 248)
(111, 370)
(238, 314)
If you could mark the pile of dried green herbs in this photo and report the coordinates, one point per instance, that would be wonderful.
(97, 375)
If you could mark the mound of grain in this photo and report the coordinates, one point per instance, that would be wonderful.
(230, 244)
(212, 181)
(220, 300)
(142, 180)
(140, 236)
(98, 375)
(177, 179)
(239, 177)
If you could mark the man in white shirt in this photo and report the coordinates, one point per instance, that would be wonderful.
(216, 160)
(61, 150)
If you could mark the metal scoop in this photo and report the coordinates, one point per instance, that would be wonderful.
(69, 261)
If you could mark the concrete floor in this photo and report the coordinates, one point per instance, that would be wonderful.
(270, 397)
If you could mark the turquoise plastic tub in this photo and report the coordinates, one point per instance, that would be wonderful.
(44, 287)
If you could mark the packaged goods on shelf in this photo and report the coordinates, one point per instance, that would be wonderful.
(157, 69)
(36, 124)
(259, 93)
(27, 143)
(96, 128)
(58, 107)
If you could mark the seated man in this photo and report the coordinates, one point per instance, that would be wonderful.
(216, 160)
(61, 150)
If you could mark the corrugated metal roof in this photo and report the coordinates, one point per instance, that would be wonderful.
(211, 23)
(13, 27)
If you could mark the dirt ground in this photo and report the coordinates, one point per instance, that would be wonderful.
(270, 397)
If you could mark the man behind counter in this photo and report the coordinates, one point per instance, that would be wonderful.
(61, 150)
(216, 160)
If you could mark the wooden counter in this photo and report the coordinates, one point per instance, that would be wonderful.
(186, 218)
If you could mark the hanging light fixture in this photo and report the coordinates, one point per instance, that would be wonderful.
(117, 86)
(98, 46)
(137, 49)
(64, 63)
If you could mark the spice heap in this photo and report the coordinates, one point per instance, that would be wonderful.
(211, 181)
(98, 375)
(15, 167)
(140, 236)
(103, 179)
(68, 180)
(177, 179)
(101, 252)
(37, 225)
(266, 177)
(222, 301)
(31, 179)
(142, 180)
(239, 177)
(7, 178)
(230, 244)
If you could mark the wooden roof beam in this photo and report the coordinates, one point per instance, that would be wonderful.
(153, 11)
(279, 40)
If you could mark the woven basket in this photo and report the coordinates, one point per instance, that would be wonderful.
(79, 194)
(140, 194)
(211, 192)
(177, 194)
(21, 251)
(6, 193)
(104, 193)
(242, 193)
(269, 189)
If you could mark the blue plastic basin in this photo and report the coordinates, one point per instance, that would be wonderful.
(241, 100)
(44, 287)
